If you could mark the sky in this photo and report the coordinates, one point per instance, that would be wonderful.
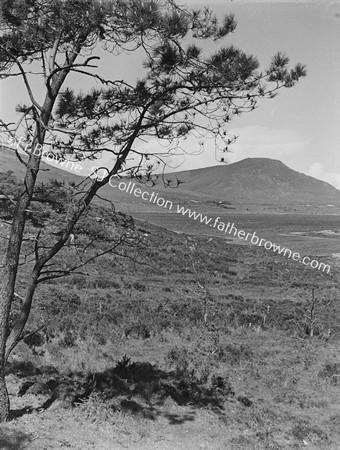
(301, 126)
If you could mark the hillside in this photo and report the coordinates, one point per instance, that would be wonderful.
(252, 180)
(9, 162)
(259, 180)
(132, 357)
(178, 343)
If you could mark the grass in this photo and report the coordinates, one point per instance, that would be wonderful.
(191, 343)
(265, 390)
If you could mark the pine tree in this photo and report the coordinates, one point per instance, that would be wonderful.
(182, 92)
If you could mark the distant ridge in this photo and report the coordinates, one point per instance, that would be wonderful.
(252, 180)
(10, 162)
(258, 180)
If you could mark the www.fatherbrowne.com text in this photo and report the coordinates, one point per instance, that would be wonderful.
(154, 198)
(227, 228)
(230, 229)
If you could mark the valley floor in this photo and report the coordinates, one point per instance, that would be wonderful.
(139, 357)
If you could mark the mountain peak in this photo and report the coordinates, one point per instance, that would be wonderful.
(258, 180)
(252, 180)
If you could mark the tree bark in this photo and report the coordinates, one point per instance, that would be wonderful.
(21, 320)
(4, 399)
(9, 274)
(8, 281)
(5, 294)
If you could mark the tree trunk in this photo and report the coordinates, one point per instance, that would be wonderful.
(5, 293)
(4, 399)
(8, 276)
(21, 320)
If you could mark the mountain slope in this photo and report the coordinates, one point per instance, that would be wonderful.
(259, 180)
(252, 180)
(10, 162)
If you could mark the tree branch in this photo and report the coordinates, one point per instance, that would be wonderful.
(23, 73)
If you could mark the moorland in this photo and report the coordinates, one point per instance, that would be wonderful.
(188, 340)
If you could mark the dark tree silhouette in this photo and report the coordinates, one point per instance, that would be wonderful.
(181, 91)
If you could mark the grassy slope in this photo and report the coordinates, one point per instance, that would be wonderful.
(278, 388)
(259, 180)
(257, 184)
(151, 313)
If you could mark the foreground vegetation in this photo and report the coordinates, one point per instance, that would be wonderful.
(178, 91)
(183, 342)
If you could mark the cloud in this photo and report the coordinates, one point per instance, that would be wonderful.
(317, 170)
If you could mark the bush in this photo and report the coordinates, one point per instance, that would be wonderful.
(139, 286)
(68, 339)
(303, 431)
(34, 340)
(179, 359)
(233, 354)
(138, 330)
(331, 371)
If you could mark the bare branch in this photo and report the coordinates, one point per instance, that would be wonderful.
(23, 73)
